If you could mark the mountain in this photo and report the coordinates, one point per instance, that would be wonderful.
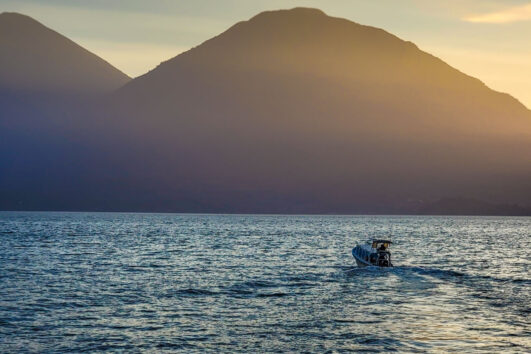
(45, 77)
(466, 206)
(287, 50)
(295, 111)
(47, 82)
(36, 58)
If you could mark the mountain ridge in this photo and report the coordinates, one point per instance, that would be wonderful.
(37, 58)
(225, 58)
(319, 13)
(291, 111)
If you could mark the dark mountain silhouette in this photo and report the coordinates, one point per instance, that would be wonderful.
(44, 77)
(47, 83)
(467, 206)
(293, 111)
(37, 59)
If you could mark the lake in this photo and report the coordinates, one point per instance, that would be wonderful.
(262, 283)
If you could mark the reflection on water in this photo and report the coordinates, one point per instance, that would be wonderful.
(163, 282)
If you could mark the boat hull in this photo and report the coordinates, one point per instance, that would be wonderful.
(360, 263)
(363, 263)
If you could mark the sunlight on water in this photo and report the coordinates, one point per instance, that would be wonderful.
(164, 282)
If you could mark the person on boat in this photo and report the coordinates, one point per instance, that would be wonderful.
(382, 247)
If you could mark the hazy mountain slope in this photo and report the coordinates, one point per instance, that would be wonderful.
(361, 63)
(295, 110)
(47, 82)
(292, 111)
(45, 77)
(36, 58)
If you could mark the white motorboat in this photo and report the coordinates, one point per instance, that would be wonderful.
(373, 253)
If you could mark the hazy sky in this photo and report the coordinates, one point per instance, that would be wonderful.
(488, 39)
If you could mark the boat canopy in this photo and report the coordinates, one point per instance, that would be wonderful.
(382, 241)
(376, 243)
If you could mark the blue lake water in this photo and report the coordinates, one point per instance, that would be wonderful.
(241, 283)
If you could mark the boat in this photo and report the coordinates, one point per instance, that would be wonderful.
(373, 253)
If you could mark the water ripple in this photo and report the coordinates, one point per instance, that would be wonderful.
(74, 282)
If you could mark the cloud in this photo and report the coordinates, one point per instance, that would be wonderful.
(512, 14)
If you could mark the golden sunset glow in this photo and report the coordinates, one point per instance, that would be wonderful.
(512, 14)
(263, 176)
(487, 39)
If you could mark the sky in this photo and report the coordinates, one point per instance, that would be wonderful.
(487, 39)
